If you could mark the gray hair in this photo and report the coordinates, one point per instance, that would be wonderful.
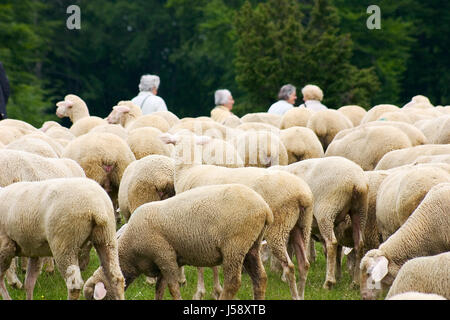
(286, 91)
(149, 82)
(221, 96)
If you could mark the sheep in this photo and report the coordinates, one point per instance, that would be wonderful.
(124, 114)
(436, 130)
(419, 101)
(402, 191)
(22, 126)
(56, 146)
(411, 295)
(232, 121)
(145, 180)
(397, 158)
(170, 117)
(367, 145)
(397, 116)
(116, 129)
(76, 109)
(24, 166)
(354, 113)
(260, 149)
(292, 209)
(201, 127)
(301, 143)
(375, 112)
(415, 135)
(149, 120)
(68, 213)
(206, 226)
(264, 117)
(33, 145)
(60, 133)
(8, 134)
(258, 126)
(424, 233)
(326, 124)
(424, 274)
(296, 117)
(145, 141)
(103, 157)
(339, 188)
(443, 158)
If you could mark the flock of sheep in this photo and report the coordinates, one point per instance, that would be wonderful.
(372, 185)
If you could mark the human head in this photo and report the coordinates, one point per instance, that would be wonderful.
(288, 92)
(312, 92)
(223, 97)
(149, 82)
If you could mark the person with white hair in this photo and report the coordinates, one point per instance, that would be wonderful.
(147, 98)
(312, 95)
(287, 97)
(224, 103)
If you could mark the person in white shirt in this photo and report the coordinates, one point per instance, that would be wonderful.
(312, 95)
(147, 98)
(287, 97)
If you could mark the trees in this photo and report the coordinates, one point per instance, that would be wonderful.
(274, 47)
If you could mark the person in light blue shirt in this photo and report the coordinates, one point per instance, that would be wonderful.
(147, 98)
(287, 97)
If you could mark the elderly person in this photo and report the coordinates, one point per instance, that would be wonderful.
(287, 97)
(224, 103)
(147, 98)
(312, 95)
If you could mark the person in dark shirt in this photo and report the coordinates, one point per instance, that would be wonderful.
(4, 92)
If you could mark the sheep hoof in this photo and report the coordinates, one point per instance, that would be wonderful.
(16, 284)
(150, 280)
(329, 284)
(198, 295)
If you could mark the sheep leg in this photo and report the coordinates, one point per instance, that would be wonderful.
(160, 287)
(7, 253)
(279, 251)
(338, 263)
(327, 232)
(201, 291)
(358, 245)
(312, 250)
(33, 270)
(232, 269)
(11, 276)
(83, 260)
(255, 269)
(166, 261)
(50, 264)
(298, 242)
(182, 279)
(217, 287)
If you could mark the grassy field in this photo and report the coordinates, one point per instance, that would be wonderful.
(52, 286)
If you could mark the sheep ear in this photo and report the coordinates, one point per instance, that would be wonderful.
(380, 270)
(122, 109)
(65, 104)
(99, 291)
(202, 140)
(168, 138)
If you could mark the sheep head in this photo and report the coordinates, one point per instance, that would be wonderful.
(374, 274)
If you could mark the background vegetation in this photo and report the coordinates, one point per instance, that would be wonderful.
(250, 47)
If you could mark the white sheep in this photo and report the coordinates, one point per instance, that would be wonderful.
(443, 158)
(145, 180)
(354, 113)
(375, 112)
(68, 213)
(124, 113)
(8, 134)
(424, 233)
(397, 158)
(424, 274)
(296, 117)
(149, 120)
(145, 141)
(22, 126)
(402, 191)
(301, 143)
(170, 117)
(103, 157)
(206, 226)
(367, 145)
(232, 121)
(33, 145)
(116, 129)
(436, 130)
(292, 209)
(264, 117)
(326, 124)
(340, 189)
(76, 109)
(412, 295)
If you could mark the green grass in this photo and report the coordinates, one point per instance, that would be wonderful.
(52, 286)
